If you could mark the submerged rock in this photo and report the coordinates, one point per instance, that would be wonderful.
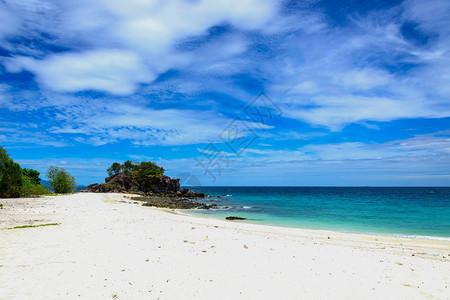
(235, 218)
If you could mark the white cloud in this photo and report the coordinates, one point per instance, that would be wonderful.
(336, 112)
(364, 79)
(430, 15)
(367, 71)
(106, 121)
(118, 72)
(141, 34)
(9, 22)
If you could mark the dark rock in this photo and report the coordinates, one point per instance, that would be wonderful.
(191, 194)
(126, 183)
(172, 202)
(235, 218)
(160, 191)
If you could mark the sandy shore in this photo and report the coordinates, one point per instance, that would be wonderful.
(105, 248)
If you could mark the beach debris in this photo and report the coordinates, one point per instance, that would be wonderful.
(235, 218)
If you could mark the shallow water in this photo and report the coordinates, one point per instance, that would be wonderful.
(404, 211)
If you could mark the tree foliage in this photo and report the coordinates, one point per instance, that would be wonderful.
(15, 181)
(60, 180)
(10, 176)
(29, 187)
(136, 169)
(114, 169)
(32, 174)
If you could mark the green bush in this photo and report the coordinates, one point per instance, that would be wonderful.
(60, 180)
(29, 187)
(10, 176)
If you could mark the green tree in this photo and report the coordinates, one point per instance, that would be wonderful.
(136, 169)
(10, 176)
(60, 180)
(114, 169)
(150, 169)
(128, 166)
(32, 174)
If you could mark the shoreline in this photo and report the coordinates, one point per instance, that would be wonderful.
(107, 245)
(388, 235)
(418, 241)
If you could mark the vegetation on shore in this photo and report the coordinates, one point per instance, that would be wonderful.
(18, 182)
(60, 180)
(10, 176)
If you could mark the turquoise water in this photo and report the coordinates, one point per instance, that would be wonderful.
(403, 211)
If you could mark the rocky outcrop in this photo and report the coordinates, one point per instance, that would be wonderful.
(126, 183)
(160, 191)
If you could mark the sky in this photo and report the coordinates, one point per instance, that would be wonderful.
(230, 92)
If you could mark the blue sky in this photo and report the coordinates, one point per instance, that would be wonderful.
(230, 92)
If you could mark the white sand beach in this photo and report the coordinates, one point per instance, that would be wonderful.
(105, 248)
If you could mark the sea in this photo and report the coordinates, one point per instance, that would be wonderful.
(418, 212)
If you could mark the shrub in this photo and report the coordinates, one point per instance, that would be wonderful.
(29, 187)
(10, 176)
(60, 180)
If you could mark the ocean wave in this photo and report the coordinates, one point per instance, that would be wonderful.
(221, 208)
(424, 237)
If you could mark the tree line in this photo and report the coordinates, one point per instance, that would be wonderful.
(19, 182)
(136, 169)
